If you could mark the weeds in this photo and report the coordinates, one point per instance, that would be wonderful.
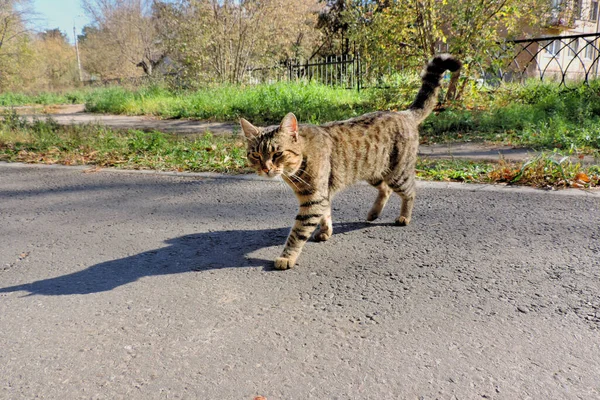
(77, 96)
(539, 115)
(50, 143)
(262, 104)
(546, 171)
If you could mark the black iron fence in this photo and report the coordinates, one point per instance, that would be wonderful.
(340, 71)
(132, 81)
(563, 59)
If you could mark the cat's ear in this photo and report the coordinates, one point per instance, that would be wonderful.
(249, 130)
(289, 125)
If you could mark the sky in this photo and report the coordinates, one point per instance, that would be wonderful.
(61, 14)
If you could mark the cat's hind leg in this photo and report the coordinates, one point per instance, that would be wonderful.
(325, 227)
(405, 187)
(380, 201)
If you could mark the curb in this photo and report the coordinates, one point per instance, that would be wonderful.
(473, 187)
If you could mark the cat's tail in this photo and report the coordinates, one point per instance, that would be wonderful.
(432, 75)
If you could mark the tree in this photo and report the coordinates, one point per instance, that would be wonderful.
(333, 23)
(99, 58)
(405, 33)
(55, 60)
(127, 26)
(14, 39)
(222, 38)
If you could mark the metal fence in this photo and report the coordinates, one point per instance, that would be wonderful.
(340, 71)
(564, 59)
(132, 81)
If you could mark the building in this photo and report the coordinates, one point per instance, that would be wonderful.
(571, 51)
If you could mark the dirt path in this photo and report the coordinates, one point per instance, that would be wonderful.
(74, 114)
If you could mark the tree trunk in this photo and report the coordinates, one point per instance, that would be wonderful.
(453, 92)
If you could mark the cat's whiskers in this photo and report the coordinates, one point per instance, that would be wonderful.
(290, 180)
(300, 179)
(306, 172)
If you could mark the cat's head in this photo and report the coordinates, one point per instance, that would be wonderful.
(275, 150)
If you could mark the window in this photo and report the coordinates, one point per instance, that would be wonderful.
(590, 52)
(573, 47)
(578, 9)
(594, 10)
(553, 48)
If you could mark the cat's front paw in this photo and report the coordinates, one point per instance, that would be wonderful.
(373, 215)
(284, 263)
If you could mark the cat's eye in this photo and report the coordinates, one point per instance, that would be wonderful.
(254, 155)
(277, 155)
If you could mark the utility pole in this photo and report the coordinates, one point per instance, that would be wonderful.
(77, 51)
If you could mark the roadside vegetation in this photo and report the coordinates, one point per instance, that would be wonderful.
(16, 99)
(537, 115)
(262, 104)
(97, 146)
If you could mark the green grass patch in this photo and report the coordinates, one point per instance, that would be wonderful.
(94, 145)
(454, 170)
(49, 143)
(538, 115)
(261, 104)
(546, 171)
(75, 96)
(535, 114)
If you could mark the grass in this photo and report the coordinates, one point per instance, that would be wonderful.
(94, 145)
(77, 96)
(538, 115)
(261, 104)
(546, 171)
(49, 143)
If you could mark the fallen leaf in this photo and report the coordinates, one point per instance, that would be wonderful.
(582, 177)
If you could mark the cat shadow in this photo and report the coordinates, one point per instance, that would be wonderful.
(196, 252)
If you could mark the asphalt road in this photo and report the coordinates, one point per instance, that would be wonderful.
(145, 286)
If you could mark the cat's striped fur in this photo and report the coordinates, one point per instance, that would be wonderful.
(318, 161)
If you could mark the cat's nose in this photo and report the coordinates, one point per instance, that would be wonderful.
(266, 170)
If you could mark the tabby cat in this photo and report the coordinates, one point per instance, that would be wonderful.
(319, 161)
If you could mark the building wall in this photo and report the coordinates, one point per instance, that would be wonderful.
(571, 55)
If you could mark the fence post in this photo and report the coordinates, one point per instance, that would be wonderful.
(358, 72)
(307, 74)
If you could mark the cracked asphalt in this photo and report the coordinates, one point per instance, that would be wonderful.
(154, 286)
